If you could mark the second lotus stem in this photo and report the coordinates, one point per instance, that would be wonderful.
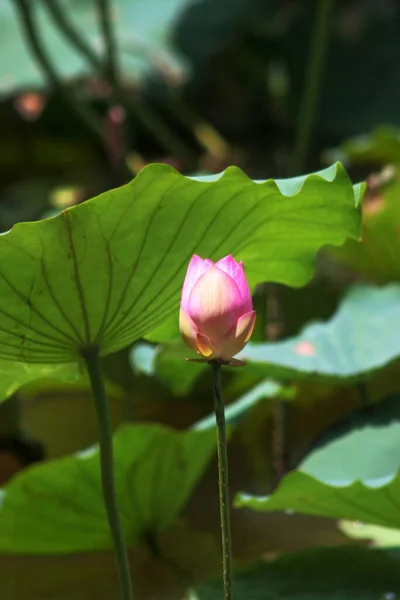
(92, 361)
(223, 480)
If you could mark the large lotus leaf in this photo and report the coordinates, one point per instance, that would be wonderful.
(358, 340)
(168, 330)
(142, 29)
(352, 473)
(109, 270)
(57, 507)
(317, 574)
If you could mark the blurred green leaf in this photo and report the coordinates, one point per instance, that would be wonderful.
(383, 537)
(13, 375)
(62, 415)
(317, 574)
(373, 501)
(377, 256)
(174, 370)
(109, 270)
(352, 473)
(142, 358)
(382, 146)
(358, 340)
(156, 470)
(363, 446)
(192, 556)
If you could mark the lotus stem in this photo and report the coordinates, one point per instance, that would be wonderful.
(223, 480)
(92, 360)
(105, 13)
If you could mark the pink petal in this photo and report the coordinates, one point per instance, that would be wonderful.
(242, 283)
(236, 339)
(188, 330)
(215, 304)
(204, 346)
(228, 264)
(196, 268)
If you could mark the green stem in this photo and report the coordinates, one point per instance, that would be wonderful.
(312, 84)
(72, 34)
(105, 14)
(29, 27)
(280, 439)
(363, 392)
(92, 360)
(280, 431)
(10, 415)
(223, 480)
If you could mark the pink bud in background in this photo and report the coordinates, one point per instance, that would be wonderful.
(217, 317)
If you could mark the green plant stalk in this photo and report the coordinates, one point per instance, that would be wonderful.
(223, 480)
(72, 34)
(92, 360)
(105, 14)
(363, 394)
(282, 410)
(312, 84)
(10, 415)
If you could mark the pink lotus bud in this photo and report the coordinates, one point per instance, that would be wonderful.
(217, 317)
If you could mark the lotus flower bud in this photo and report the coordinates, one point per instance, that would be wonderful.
(216, 317)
